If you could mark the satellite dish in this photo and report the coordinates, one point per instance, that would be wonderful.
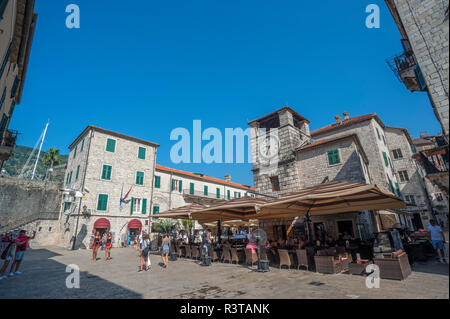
(259, 237)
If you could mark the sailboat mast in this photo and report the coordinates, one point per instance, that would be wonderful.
(40, 148)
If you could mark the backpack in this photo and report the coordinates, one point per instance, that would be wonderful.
(6, 251)
(146, 249)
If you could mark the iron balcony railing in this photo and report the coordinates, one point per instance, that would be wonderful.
(401, 62)
(9, 138)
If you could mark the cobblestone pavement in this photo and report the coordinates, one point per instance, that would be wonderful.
(44, 276)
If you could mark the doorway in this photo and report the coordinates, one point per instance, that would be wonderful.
(417, 221)
(345, 226)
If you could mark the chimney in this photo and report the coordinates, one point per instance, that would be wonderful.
(346, 115)
(228, 178)
(423, 134)
(338, 119)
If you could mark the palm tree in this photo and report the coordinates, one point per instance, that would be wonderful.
(165, 226)
(50, 158)
(188, 225)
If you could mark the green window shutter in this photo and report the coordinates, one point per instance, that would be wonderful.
(385, 159)
(78, 172)
(75, 152)
(106, 173)
(180, 185)
(141, 154)
(191, 188)
(378, 134)
(218, 192)
(132, 204)
(333, 157)
(205, 190)
(239, 195)
(144, 205)
(157, 182)
(102, 202)
(70, 177)
(139, 178)
(82, 145)
(111, 145)
(11, 108)
(155, 210)
(173, 185)
(228, 194)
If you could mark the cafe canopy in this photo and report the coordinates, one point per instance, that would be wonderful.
(183, 212)
(330, 198)
(235, 209)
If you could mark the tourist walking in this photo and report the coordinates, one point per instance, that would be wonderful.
(437, 239)
(96, 246)
(21, 246)
(145, 252)
(165, 249)
(108, 246)
(7, 255)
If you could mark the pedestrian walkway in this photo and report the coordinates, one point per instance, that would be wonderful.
(44, 276)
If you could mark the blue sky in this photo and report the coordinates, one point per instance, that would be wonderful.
(145, 67)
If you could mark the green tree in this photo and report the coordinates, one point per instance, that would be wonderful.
(165, 226)
(188, 225)
(51, 158)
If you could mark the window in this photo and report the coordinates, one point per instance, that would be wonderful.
(78, 172)
(141, 153)
(3, 123)
(66, 206)
(102, 203)
(384, 140)
(70, 177)
(191, 188)
(180, 186)
(386, 162)
(139, 205)
(2, 99)
(333, 157)
(397, 153)
(111, 145)
(106, 172)
(157, 181)
(403, 175)
(228, 194)
(6, 58)
(410, 199)
(139, 178)
(378, 134)
(275, 183)
(205, 190)
(3, 4)
(14, 87)
(155, 210)
(82, 146)
(391, 186)
(218, 192)
(397, 189)
(439, 197)
(237, 195)
(11, 108)
(75, 152)
(144, 206)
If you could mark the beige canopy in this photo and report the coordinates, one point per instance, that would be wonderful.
(233, 223)
(330, 198)
(183, 212)
(235, 209)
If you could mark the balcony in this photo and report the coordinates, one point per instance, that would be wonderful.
(435, 164)
(7, 143)
(407, 71)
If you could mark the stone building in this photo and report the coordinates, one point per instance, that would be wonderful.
(351, 149)
(17, 24)
(423, 65)
(123, 187)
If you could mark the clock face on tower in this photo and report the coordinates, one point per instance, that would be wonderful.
(268, 148)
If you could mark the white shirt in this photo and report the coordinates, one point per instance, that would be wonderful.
(435, 232)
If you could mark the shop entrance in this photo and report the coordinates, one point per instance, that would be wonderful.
(417, 221)
(345, 226)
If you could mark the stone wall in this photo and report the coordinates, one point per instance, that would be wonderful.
(426, 25)
(22, 199)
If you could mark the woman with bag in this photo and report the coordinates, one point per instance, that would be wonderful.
(144, 252)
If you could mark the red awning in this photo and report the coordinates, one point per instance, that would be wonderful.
(134, 223)
(102, 223)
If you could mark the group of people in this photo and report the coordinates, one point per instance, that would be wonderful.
(13, 249)
(143, 247)
(100, 241)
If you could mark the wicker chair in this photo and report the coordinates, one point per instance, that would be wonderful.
(285, 260)
(181, 251)
(346, 259)
(394, 268)
(250, 257)
(302, 258)
(213, 254)
(196, 252)
(327, 265)
(188, 251)
(234, 255)
(226, 254)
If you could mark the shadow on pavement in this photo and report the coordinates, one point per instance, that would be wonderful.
(45, 278)
(430, 267)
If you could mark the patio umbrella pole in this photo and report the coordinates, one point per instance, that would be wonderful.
(308, 225)
(219, 231)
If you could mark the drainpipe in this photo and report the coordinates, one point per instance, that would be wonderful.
(151, 196)
(91, 135)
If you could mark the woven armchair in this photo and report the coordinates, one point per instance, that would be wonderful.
(397, 268)
(302, 258)
(250, 257)
(226, 254)
(188, 251)
(285, 260)
(327, 264)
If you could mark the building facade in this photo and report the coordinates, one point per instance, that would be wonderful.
(17, 24)
(124, 189)
(423, 64)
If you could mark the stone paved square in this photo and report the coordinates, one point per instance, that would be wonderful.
(44, 276)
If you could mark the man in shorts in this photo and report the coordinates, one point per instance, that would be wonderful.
(21, 246)
(437, 239)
